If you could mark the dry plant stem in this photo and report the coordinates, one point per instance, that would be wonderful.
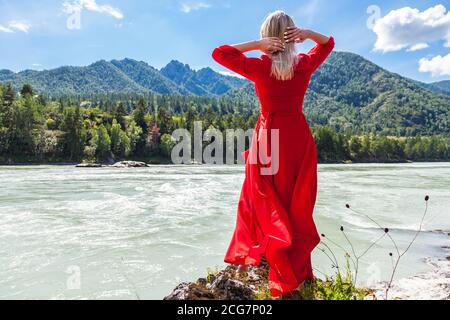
(372, 245)
(379, 226)
(358, 258)
(343, 249)
(332, 253)
(356, 263)
(333, 263)
(406, 250)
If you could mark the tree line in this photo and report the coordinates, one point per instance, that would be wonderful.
(35, 128)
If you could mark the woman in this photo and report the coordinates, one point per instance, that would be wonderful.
(275, 212)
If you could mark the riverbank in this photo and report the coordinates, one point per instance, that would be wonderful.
(430, 285)
(164, 161)
(61, 162)
(227, 284)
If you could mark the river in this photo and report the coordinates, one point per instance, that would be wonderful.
(109, 233)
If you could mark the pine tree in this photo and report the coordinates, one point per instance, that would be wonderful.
(27, 91)
(139, 116)
(119, 114)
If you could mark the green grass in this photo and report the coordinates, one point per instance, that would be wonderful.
(211, 272)
(339, 287)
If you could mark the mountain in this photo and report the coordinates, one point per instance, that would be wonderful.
(6, 74)
(99, 77)
(203, 82)
(346, 92)
(148, 77)
(442, 87)
(349, 91)
(124, 76)
(182, 75)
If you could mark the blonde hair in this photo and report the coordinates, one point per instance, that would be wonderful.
(283, 62)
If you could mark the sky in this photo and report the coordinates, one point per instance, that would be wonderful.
(411, 38)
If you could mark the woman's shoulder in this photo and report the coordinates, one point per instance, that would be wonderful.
(303, 60)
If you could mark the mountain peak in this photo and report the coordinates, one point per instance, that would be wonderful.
(177, 72)
(5, 74)
(129, 61)
(6, 71)
(206, 70)
(100, 63)
(178, 66)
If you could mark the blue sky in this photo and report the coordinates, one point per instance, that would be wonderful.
(36, 34)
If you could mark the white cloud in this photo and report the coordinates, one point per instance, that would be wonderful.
(37, 66)
(14, 26)
(91, 5)
(19, 26)
(5, 29)
(437, 66)
(187, 7)
(412, 29)
(231, 74)
(418, 46)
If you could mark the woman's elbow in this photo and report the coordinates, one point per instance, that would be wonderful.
(331, 42)
(216, 54)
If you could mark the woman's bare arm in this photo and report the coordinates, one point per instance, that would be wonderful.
(317, 37)
(266, 45)
(294, 34)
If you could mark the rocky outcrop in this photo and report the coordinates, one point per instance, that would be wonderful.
(121, 164)
(227, 284)
(89, 165)
(129, 164)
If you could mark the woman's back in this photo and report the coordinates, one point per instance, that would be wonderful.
(275, 95)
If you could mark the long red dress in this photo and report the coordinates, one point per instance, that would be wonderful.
(275, 212)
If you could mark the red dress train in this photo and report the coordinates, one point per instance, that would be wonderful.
(275, 212)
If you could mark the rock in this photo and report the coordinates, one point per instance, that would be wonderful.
(190, 291)
(232, 289)
(224, 285)
(445, 232)
(129, 164)
(202, 282)
(89, 165)
(181, 292)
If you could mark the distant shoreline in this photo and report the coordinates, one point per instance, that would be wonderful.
(22, 164)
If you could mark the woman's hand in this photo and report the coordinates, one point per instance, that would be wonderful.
(271, 45)
(296, 35)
